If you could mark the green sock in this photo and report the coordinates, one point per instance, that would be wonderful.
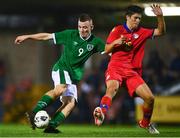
(42, 103)
(57, 119)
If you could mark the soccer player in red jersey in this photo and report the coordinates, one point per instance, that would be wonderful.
(126, 43)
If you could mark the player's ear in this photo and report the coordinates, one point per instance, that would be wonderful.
(127, 17)
(91, 23)
(92, 27)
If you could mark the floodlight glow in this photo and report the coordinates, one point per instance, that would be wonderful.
(167, 11)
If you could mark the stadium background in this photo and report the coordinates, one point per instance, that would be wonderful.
(25, 71)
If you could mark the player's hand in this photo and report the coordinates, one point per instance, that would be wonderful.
(120, 41)
(20, 39)
(127, 46)
(156, 9)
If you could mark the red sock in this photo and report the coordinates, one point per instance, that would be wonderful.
(105, 103)
(146, 116)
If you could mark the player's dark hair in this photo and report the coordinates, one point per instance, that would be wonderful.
(84, 17)
(130, 10)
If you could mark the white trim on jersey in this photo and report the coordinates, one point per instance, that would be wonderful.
(83, 38)
(103, 52)
(67, 77)
(54, 39)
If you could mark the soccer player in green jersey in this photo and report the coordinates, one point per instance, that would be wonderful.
(79, 45)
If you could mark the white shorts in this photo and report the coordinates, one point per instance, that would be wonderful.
(71, 88)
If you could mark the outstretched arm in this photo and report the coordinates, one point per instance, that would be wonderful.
(161, 27)
(38, 36)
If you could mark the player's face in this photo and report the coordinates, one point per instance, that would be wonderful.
(134, 20)
(85, 28)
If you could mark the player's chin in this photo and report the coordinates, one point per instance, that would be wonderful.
(135, 26)
(84, 35)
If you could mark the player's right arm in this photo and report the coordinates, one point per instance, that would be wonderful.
(118, 42)
(38, 36)
(114, 39)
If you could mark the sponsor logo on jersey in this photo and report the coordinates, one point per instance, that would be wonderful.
(135, 36)
(90, 47)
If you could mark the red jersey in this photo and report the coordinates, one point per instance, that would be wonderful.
(133, 58)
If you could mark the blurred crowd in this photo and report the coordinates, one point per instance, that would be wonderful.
(158, 74)
(16, 99)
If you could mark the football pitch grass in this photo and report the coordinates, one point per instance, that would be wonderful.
(79, 130)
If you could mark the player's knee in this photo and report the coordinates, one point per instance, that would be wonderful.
(70, 103)
(112, 89)
(149, 99)
(58, 91)
(111, 92)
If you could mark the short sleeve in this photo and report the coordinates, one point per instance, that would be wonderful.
(100, 45)
(61, 37)
(149, 33)
(114, 34)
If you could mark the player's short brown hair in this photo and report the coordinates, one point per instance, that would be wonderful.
(84, 17)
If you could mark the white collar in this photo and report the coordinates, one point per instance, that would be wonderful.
(86, 38)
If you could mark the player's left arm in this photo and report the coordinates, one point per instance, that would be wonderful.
(161, 27)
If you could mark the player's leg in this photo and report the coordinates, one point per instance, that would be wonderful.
(111, 90)
(136, 84)
(145, 93)
(68, 99)
(61, 114)
(45, 100)
(59, 78)
(100, 112)
(49, 97)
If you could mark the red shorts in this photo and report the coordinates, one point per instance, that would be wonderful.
(125, 75)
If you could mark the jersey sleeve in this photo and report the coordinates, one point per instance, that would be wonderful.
(60, 37)
(100, 46)
(114, 34)
(149, 33)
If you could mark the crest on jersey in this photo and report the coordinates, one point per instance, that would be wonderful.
(135, 36)
(90, 47)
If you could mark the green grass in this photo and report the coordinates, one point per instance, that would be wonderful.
(77, 130)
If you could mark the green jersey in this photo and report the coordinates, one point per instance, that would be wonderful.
(76, 52)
